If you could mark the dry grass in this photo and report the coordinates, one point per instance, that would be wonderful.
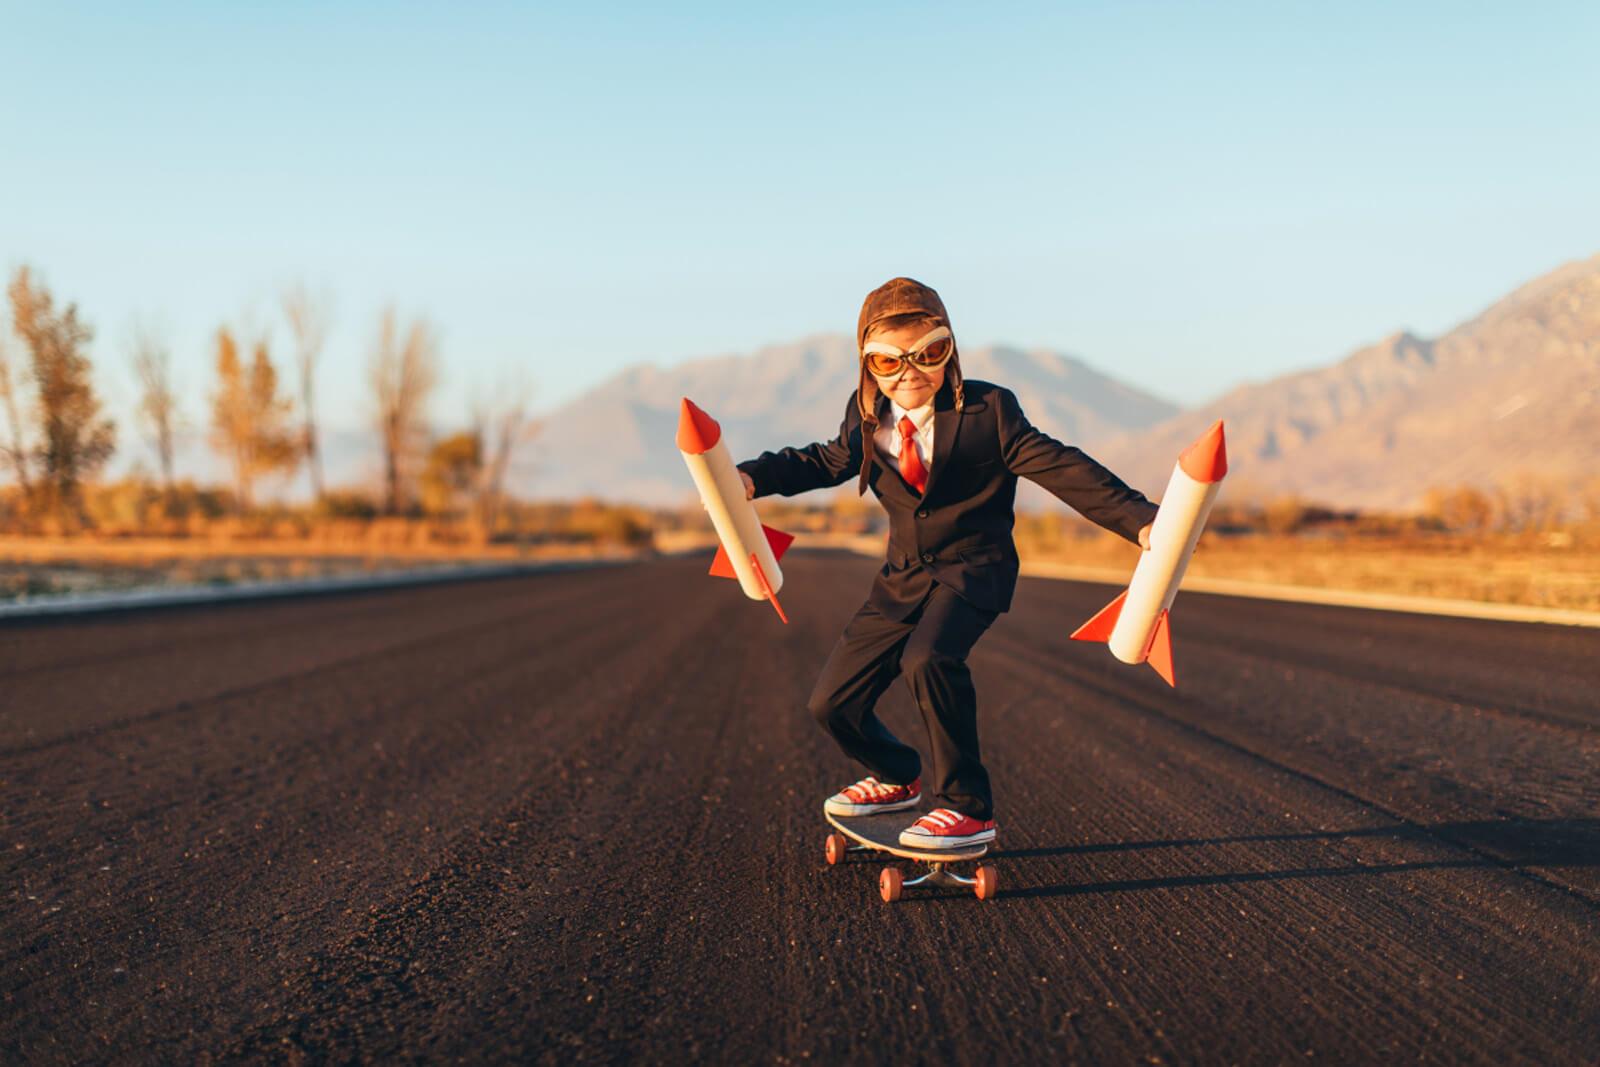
(1550, 570)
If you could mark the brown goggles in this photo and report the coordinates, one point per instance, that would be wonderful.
(931, 352)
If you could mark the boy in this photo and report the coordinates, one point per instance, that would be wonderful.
(942, 456)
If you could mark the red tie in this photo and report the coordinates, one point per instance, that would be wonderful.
(911, 468)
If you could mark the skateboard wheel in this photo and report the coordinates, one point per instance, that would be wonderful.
(835, 849)
(986, 883)
(889, 885)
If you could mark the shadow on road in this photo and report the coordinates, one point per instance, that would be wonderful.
(1505, 843)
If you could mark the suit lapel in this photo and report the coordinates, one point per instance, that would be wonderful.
(946, 423)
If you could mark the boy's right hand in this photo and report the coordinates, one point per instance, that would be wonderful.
(749, 486)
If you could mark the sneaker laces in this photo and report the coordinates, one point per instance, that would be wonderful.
(940, 819)
(870, 789)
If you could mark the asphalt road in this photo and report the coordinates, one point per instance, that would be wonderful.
(575, 817)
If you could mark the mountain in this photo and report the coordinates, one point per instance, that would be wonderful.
(1514, 390)
(616, 440)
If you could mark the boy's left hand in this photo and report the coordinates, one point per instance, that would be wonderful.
(1144, 537)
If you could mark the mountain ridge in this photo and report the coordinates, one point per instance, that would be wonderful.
(1511, 391)
(614, 441)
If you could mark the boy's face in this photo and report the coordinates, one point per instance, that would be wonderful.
(916, 386)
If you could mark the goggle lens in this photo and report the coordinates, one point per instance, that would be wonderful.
(933, 354)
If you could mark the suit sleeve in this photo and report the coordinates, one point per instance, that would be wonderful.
(790, 471)
(1069, 473)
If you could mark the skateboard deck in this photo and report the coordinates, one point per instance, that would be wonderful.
(881, 833)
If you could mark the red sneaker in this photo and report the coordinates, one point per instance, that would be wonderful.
(872, 797)
(943, 828)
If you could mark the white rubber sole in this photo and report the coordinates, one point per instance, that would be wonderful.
(839, 805)
(933, 842)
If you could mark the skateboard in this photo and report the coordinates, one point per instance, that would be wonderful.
(881, 833)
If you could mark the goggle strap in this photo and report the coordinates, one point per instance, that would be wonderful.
(879, 348)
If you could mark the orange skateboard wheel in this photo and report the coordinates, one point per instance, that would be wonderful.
(889, 885)
(986, 883)
(835, 849)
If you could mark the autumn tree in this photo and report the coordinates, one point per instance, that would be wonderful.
(308, 317)
(250, 421)
(403, 373)
(1285, 514)
(15, 446)
(1464, 508)
(453, 472)
(158, 400)
(75, 440)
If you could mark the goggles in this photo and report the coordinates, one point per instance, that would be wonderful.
(931, 351)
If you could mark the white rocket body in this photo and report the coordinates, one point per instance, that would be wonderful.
(738, 528)
(748, 550)
(1185, 506)
(1134, 625)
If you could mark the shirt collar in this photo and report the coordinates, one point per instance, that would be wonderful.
(919, 416)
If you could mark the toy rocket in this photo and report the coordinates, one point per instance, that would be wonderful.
(748, 550)
(1135, 624)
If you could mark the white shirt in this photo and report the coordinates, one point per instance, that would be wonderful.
(888, 436)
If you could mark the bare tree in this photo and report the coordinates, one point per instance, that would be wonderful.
(250, 420)
(158, 399)
(308, 317)
(17, 449)
(503, 424)
(404, 371)
(1530, 501)
(1589, 498)
(75, 440)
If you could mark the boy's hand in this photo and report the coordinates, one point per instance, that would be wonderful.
(1144, 537)
(749, 486)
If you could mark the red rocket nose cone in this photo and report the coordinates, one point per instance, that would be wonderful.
(1207, 459)
(697, 431)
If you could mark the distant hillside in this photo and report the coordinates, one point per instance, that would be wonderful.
(615, 441)
(1515, 389)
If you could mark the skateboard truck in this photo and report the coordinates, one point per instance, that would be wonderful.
(984, 883)
(938, 877)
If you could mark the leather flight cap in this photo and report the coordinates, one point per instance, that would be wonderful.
(898, 296)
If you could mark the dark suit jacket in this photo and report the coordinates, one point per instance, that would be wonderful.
(959, 532)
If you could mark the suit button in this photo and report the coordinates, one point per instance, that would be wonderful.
(927, 557)
(922, 513)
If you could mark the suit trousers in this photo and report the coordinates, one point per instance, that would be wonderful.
(929, 647)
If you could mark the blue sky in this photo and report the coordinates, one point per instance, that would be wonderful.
(1185, 195)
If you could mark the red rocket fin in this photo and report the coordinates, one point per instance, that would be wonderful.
(722, 565)
(766, 587)
(1099, 628)
(1160, 654)
(778, 540)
